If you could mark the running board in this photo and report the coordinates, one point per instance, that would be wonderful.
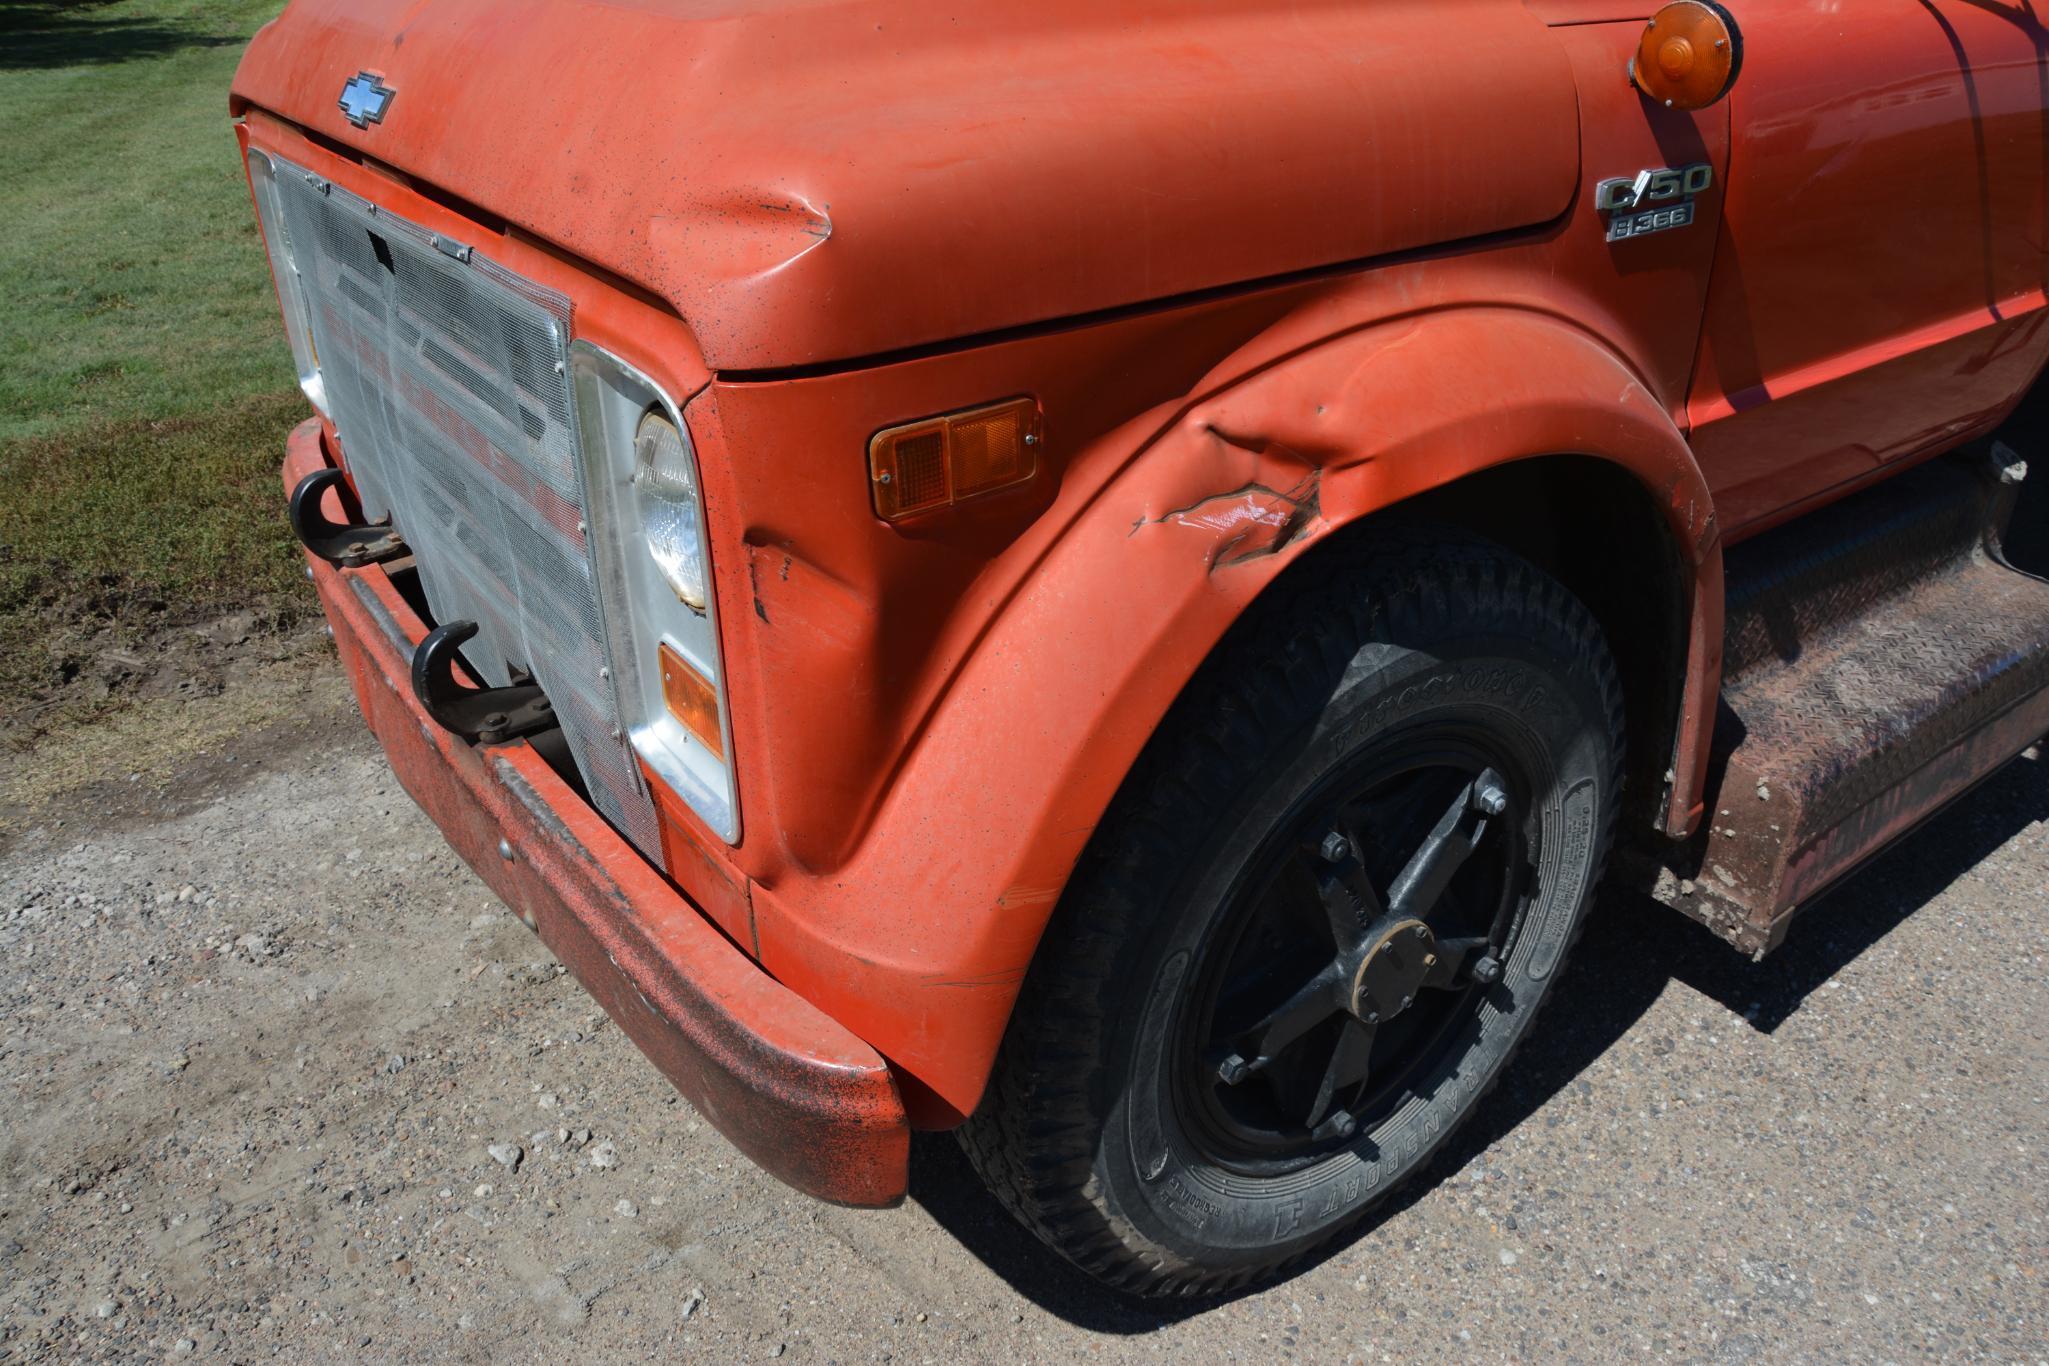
(1880, 657)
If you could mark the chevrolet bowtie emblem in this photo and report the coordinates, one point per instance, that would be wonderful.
(365, 98)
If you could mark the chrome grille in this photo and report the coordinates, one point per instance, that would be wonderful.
(447, 379)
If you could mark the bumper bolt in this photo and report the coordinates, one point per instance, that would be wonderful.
(505, 850)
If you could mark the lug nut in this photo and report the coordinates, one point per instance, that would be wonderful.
(1231, 1070)
(1490, 801)
(1345, 1124)
(1487, 971)
(1336, 848)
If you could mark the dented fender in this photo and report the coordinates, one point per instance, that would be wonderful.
(1014, 764)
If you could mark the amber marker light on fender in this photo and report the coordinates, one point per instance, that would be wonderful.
(691, 700)
(939, 461)
(1689, 55)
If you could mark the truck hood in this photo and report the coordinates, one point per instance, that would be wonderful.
(810, 181)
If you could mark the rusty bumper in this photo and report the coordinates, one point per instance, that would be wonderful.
(791, 1087)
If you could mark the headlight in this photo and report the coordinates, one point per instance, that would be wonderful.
(647, 537)
(667, 489)
(291, 293)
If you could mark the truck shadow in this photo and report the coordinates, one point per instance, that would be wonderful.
(1632, 950)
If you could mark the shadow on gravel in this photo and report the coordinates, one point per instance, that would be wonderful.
(1857, 914)
(944, 1183)
(1631, 950)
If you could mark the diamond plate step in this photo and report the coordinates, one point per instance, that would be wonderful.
(1878, 662)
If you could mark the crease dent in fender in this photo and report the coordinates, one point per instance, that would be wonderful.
(1253, 520)
(1221, 381)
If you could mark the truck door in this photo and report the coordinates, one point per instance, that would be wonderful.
(1878, 281)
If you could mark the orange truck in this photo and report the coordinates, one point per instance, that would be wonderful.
(1112, 577)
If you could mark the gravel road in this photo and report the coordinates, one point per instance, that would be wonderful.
(281, 1078)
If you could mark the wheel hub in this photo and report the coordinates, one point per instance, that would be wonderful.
(1392, 968)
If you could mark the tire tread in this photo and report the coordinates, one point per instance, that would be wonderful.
(1031, 1138)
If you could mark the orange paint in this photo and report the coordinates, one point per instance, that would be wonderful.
(1263, 278)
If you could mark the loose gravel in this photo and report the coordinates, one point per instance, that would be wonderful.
(282, 1078)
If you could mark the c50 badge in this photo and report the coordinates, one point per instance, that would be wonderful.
(1652, 200)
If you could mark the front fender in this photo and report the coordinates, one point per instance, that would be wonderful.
(922, 938)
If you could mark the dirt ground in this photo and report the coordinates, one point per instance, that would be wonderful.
(281, 1078)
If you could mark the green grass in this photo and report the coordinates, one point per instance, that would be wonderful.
(134, 277)
(145, 386)
(88, 543)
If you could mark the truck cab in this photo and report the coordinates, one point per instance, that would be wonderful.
(1114, 578)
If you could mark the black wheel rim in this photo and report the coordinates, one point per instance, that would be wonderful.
(1347, 966)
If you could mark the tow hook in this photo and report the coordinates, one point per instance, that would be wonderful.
(338, 543)
(489, 715)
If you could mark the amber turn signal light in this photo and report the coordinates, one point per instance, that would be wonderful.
(691, 700)
(1688, 56)
(940, 461)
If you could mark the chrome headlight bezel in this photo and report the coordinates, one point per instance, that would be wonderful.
(641, 611)
(291, 290)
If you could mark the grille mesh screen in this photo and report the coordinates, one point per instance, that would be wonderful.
(448, 381)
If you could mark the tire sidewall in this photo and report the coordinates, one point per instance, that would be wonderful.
(1526, 689)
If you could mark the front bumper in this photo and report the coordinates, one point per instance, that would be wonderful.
(789, 1086)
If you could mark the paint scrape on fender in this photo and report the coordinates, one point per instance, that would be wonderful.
(1249, 522)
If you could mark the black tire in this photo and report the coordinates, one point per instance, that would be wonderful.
(1107, 1128)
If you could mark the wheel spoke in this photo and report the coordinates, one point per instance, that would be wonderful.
(1346, 1069)
(1429, 871)
(1315, 1001)
(1350, 900)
